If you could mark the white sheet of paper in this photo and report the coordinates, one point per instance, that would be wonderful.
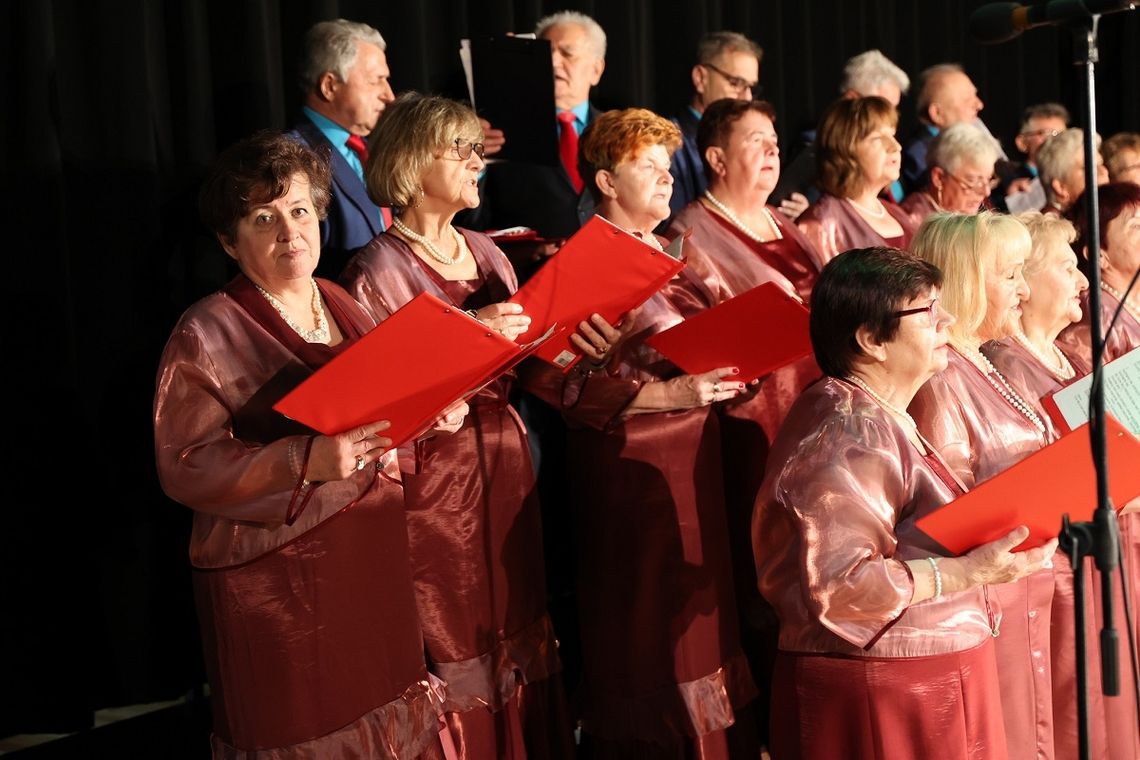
(465, 59)
(1121, 394)
(1032, 199)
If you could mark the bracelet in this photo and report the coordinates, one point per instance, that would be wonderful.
(937, 576)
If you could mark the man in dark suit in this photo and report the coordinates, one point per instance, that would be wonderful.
(728, 66)
(946, 96)
(344, 75)
(550, 199)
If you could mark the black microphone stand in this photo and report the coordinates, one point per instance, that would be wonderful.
(1099, 538)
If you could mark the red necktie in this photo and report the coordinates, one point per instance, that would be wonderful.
(568, 148)
(360, 148)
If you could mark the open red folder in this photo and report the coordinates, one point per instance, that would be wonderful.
(408, 369)
(758, 331)
(1069, 406)
(1037, 491)
(601, 269)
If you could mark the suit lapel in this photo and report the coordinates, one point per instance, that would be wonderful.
(345, 178)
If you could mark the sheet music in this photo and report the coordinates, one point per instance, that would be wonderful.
(1121, 394)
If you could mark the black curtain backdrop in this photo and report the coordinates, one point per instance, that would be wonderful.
(113, 110)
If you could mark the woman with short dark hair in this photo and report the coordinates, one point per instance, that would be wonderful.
(857, 158)
(299, 547)
(885, 643)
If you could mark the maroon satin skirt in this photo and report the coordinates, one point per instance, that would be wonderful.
(945, 707)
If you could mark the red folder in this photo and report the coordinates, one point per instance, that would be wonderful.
(1037, 491)
(757, 331)
(601, 269)
(408, 369)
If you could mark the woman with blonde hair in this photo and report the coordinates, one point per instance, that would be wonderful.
(473, 515)
(982, 423)
(858, 157)
(663, 670)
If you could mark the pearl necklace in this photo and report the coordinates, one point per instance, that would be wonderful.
(649, 239)
(1063, 369)
(873, 214)
(901, 413)
(430, 247)
(740, 225)
(1119, 297)
(1001, 385)
(321, 334)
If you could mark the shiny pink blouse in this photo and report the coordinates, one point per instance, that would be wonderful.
(834, 525)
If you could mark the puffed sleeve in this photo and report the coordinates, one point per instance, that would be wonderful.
(200, 462)
(831, 530)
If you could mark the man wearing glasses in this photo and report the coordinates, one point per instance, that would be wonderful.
(1020, 189)
(728, 67)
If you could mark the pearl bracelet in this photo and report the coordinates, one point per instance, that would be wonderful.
(937, 576)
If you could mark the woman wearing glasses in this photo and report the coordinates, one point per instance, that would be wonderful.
(858, 157)
(473, 515)
(886, 647)
(981, 423)
(961, 161)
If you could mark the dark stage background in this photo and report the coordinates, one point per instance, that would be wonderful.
(114, 109)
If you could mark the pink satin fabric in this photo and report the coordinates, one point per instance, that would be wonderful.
(1113, 722)
(310, 631)
(919, 205)
(726, 261)
(475, 528)
(858, 663)
(832, 227)
(1077, 339)
(980, 434)
(663, 670)
(934, 708)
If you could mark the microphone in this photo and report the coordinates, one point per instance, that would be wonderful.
(1000, 22)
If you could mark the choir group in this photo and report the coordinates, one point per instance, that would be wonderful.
(748, 572)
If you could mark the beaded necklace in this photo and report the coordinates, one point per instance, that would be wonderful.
(430, 247)
(736, 221)
(1061, 368)
(873, 214)
(1128, 305)
(901, 413)
(319, 335)
(1001, 385)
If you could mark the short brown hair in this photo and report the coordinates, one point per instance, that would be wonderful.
(843, 126)
(863, 287)
(257, 170)
(717, 121)
(618, 136)
(415, 129)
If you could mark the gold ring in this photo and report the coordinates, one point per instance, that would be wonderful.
(716, 387)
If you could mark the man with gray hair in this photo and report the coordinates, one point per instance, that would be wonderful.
(344, 78)
(946, 96)
(868, 73)
(550, 199)
(728, 66)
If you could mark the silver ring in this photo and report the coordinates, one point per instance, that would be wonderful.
(716, 387)
(359, 463)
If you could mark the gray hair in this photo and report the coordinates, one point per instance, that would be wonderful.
(1043, 111)
(962, 142)
(594, 31)
(929, 82)
(1057, 157)
(715, 44)
(331, 46)
(866, 71)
